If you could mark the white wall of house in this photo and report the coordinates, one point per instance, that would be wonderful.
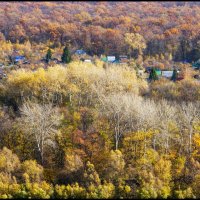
(110, 58)
(167, 74)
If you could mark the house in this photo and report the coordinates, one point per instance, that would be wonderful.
(16, 59)
(87, 60)
(80, 52)
(123, 59)
(111, 59)
(167, 74)
(104, 59)
(140, 72)
(158, 72)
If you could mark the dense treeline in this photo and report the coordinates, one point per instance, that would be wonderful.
(90, 131)
(100, 27)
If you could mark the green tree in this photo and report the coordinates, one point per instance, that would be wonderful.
(174, 75)
(153, 76)
(66, 58)
(48, 55)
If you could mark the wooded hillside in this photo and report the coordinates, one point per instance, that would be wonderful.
(99, 27)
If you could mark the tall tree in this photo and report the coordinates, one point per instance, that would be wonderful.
(174, 75)
(48, 55)
(40, 123)
(66, 58)
(153, 76)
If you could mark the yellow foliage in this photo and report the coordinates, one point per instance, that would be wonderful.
(77, 80)
(32, 171)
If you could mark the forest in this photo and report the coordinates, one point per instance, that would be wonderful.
(99, 27)
(99, 130)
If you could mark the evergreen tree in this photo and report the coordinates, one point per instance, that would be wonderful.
(153, 76)
(66, 58)
(48, 56)
(174, 75)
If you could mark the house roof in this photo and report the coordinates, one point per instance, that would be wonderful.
(123, 56)
(17, 58)
(104, 59)
(80, 52)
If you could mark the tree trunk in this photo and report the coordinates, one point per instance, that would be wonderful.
(190, 140)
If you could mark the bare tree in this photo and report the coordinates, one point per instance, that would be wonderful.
(145, 118)
(116, 107)
(165, 114)
(40, 124)
(188, 114)
(128, 112)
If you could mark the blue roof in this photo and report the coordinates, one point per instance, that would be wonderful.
(18, 58)
(80, 52)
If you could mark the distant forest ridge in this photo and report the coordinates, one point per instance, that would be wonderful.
(99, 27)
